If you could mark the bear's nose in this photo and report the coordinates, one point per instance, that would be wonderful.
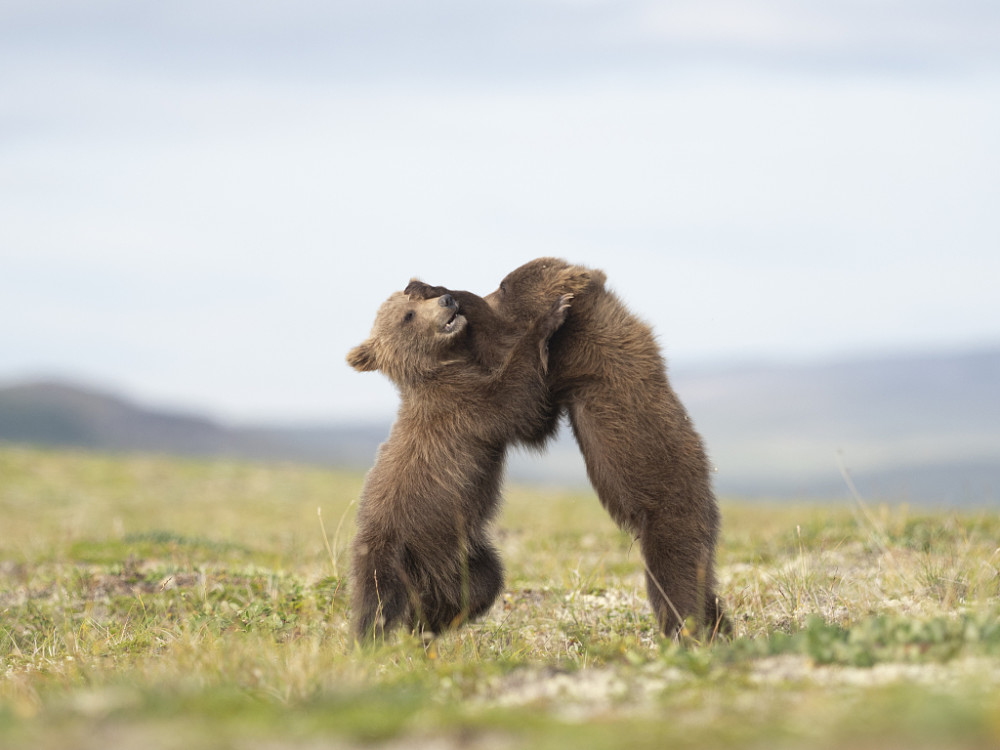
(446, 300)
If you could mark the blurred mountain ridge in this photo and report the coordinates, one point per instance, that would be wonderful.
(917, 428)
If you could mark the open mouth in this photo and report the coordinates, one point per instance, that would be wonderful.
(453, 324)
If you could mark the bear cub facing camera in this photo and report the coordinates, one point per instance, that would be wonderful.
(423, 556)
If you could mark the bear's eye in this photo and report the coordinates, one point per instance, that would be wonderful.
(503, 287)
(408, 317)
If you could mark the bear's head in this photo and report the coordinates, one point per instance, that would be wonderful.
(527, 291)
(411, 338)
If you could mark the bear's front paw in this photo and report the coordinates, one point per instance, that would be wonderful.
(555, 317)
(420, 290)
(549, 324)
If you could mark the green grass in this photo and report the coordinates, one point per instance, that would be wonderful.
(166, 603)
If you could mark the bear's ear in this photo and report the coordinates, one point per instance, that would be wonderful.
(362, 357)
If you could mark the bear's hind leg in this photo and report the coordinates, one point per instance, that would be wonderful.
(485, 578)
(680, 579)
(380, 600)
(478, 585)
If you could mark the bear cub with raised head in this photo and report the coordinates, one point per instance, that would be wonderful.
(643, 456)
(423, 556)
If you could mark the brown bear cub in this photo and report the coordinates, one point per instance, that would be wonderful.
(422, 556)
(643, 455)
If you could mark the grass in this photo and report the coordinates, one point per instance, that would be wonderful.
(166, 603)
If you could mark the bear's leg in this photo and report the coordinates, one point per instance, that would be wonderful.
(485, 578)
(680, 579)
(676, 535)
(380, 598)
(668, 588)
(445, 606)
(548, 324)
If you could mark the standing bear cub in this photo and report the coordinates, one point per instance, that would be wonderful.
(643, 456)
(422, 556)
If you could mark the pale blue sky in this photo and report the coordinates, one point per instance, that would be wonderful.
(204, 203)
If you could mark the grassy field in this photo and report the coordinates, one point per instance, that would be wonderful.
(161, 603)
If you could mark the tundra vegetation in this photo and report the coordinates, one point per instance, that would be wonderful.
(162, 603)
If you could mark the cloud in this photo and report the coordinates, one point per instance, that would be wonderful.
(200, 194)
(399, 41)
(856, 34)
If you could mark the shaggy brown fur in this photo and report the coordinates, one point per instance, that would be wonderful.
(643, 455)
(422, 555)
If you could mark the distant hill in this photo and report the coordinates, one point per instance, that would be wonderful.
(63, 414)
(922, 429)
(910, 428)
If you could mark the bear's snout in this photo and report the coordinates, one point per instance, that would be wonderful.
(446, 300)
